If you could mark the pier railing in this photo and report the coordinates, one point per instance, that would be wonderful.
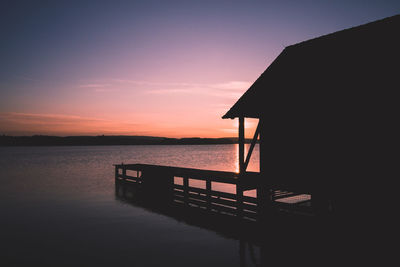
(215, 201)
(175, 182)
(194, 188)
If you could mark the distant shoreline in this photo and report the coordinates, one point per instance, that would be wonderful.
(102, 140)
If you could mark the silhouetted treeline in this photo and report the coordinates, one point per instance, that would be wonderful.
(44, 140)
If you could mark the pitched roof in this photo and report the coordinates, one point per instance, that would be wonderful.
(333, 67)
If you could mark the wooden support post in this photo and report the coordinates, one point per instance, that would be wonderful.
(264, 202)
(239, 200)
(253, 143)
(169, 188)
(208, 189)
(186, 190)
(264, 191)
(261, 145)
(116, 172)
(241, 145)
(124, 173)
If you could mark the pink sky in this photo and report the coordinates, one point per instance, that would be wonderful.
(157, 68)
(131, 107)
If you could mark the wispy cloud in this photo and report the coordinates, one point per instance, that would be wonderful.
(95, 85)
(233, 85)
(14, 123)
(101, 87)
(228, 90)
(168, 91)
(231, 89)
(149, 83)
(28, 123)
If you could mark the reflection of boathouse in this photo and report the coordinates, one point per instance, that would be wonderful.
(327, 112)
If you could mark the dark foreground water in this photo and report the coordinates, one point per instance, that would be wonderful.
(58, 207)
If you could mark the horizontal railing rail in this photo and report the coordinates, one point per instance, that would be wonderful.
(204, 197)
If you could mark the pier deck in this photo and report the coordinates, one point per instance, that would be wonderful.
(197, 188)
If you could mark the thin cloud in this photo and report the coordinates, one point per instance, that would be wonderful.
(21, 123)
(233, 85)
(229, 89)
(101, 87)
(168, 91)
(232, 89)
(150, 83)
(95, 85)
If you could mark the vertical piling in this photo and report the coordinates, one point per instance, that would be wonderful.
(186, 190)
(116, 172)
(239, 200)
(241, 144)
(208, 192)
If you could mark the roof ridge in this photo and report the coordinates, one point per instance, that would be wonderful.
(322, 37)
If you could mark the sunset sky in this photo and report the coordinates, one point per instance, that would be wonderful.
(158, 68)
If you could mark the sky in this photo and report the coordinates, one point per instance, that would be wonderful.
(155, 68)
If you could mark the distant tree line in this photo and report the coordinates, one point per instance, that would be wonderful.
(45, 140)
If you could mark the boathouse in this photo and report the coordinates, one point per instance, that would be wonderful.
(327, 110)
(328, 113)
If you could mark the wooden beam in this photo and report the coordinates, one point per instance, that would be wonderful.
(241, 145)
(208, 194)
(239, 201)
(186, 190)
(253, 143)
(116, 172)
(262, 137)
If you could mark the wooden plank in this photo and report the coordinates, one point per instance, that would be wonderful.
(217, 204)
(178, 186)
(130, 178)
(211, 199)
(204, 191)
(249, 207)
(199, 174)
(223, 201)
(197, 202)
(285, 195)
(223, 208)
(223, 194)
(250, 199)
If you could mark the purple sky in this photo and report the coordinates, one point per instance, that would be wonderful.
(161, 68)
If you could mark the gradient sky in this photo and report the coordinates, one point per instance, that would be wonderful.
(160, 68)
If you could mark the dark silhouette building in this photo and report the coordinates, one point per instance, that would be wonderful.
(328, 113)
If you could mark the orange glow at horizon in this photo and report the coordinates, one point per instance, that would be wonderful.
(128, 107)
(62, 125)
(171, 69)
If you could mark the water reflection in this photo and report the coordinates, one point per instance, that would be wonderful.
(243, 231)
(275, 239)
(60, 206)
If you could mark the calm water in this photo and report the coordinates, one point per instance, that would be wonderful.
(58, 207)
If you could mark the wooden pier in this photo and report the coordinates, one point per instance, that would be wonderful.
(197, 188)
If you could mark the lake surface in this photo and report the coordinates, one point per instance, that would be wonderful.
(58, 207)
